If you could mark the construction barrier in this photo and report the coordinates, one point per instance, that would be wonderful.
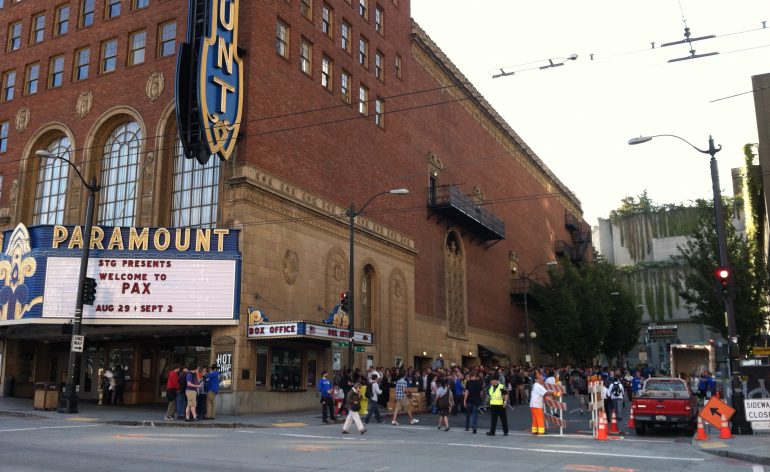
(701, 434)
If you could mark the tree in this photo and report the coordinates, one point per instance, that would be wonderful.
(584, 310)
(697, 287)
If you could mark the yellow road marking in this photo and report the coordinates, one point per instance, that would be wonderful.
(712, 445)
(288, 425)
(81, 418)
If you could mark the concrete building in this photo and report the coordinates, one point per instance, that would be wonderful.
(341, 100)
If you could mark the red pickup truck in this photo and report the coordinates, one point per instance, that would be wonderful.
(665, 402)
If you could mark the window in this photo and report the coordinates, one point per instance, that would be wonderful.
(379, 63)
(306, 57)
(3, 136)
(120, 167)
(112, 9)
(363, 100)
(167, 42)
(345, 35)
(62, 20)
(306, 9)
(282, 39)
(14, 36)
(195, 194)
(286, 369)
(261, 374)
(362, 9)
(33, 77)
(51, 188)
(379, 112)
(56, 72)
(87, 9)
(136, 46)
(82, 59)
(345, 87)
(139, 4)
(379, 20)
(38, 29)
(327, 20)
(109, 55)
(9, 85)
(363, 52)
(326, 73)
(398, 66)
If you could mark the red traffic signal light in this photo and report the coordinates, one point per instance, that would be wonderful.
(345, 302)
(722, 273)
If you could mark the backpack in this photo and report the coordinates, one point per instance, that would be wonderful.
(368, 394)
(443, 401)
(615, 389)
(182, 381)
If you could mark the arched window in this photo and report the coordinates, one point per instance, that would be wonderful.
(364, 320)
(196, 191)
(51, 188)
(120, 165)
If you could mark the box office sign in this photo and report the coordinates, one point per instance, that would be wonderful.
(304, 329)
(143, 275)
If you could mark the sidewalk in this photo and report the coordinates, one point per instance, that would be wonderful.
(748, 448)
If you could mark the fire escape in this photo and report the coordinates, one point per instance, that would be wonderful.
(580, 241)
(450, 204)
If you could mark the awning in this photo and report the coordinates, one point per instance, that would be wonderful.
(488, 351)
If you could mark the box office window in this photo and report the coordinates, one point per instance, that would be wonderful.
(312, 366)
(286, 369)
(261, 378)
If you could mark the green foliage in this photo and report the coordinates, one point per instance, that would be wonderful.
(585, 310)
(700, 255)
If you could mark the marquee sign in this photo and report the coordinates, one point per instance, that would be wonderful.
(143, 275)
(209, 81)
(304, 329)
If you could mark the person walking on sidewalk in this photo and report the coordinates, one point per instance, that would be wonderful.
(443, 403)
(403, 401)
(374, 391)
(472, 402)
(211, 396)
(172, 384)
(324, 387)
(498, 397)
(353, 401)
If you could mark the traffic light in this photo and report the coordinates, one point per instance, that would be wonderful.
(723, 277)
(89, 291)
(345, 302)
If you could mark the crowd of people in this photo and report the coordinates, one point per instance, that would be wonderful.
(469, 390)
(191, 393)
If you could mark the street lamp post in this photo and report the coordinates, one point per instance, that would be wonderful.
(352, 213)
(724, 260)
(68, 403)
(525, 282)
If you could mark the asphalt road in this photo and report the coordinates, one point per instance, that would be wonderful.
(71, 444)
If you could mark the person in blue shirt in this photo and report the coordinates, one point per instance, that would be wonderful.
(212, 386)
(327, 401)
(711, 384)
(636, 383)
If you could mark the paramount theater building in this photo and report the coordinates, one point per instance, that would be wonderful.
(230, 141)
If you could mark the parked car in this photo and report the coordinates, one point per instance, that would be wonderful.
(665, 401)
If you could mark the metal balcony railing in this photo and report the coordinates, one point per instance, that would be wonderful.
(452, 202)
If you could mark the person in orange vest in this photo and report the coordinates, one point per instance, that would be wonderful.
(536, 401)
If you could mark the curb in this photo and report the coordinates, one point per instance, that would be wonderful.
(742, 456)
(181, 424)
(21, 414)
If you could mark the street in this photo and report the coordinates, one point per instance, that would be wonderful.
(78, 443)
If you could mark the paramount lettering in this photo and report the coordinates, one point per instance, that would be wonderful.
(138, 239)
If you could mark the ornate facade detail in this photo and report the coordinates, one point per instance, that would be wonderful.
(148, 169)
(398, 306)
(156, 82)
(478, 195)
(454, 277)
(336, 276)
(14, 191)
(434, 161)
(84, 103)
(290, 266)
(513, 264)
(22, 119)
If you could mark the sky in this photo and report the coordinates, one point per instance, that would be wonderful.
(578, 118)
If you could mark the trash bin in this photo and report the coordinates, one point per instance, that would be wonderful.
(46, 396)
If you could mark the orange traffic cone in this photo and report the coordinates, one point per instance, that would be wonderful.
(631, 421)
(601, 433)
(724, 431)
(614, 426)
(700, 435)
